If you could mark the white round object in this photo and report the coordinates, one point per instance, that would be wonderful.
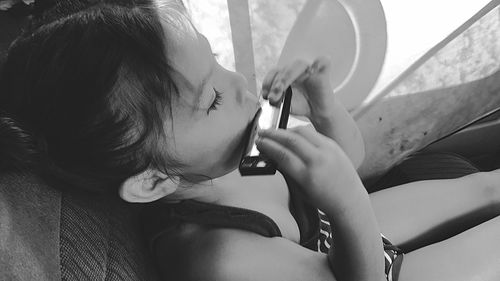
(352, 33)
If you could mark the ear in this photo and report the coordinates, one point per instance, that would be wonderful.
(147, 186)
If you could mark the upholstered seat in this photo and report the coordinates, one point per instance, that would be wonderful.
(46, 234)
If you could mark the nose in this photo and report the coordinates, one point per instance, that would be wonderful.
(241, 80)
(241, 84)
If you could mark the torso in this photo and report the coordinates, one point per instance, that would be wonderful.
(195, 246)
(268, 195)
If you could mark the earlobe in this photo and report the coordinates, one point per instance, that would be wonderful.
(147, 186)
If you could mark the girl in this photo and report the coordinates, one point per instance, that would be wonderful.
(125, 97)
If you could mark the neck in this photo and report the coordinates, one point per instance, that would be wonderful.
(265, 194)
(231, 188)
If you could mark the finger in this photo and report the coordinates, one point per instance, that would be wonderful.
(295, 71)
(321, 64)
(277, 88)
(294, 142)
(268, 81)
(310, 134)
(286, 161)
(289, 74)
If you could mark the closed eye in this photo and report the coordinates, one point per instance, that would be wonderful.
(217, 101)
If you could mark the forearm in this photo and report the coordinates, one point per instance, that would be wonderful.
(357, 251)
(469, 200)
(339, 125)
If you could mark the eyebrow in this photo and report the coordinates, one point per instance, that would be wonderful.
(203, 83)
(198, 90)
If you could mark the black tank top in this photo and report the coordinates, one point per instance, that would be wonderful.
(161, 218)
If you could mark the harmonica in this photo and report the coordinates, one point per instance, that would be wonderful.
(253, 162)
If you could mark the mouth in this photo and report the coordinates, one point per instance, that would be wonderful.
(244, 141)
(254, 107)
(240, 144)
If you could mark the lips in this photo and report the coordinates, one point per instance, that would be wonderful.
(253, 106)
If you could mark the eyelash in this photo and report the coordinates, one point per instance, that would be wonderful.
(217, 101)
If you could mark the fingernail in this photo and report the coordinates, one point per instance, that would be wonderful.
(277, 88)
(274, 98)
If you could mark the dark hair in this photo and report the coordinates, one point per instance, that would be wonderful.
(89, 83)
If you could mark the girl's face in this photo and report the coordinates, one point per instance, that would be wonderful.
(213, 109)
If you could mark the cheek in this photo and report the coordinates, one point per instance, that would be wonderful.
(205, 145)
(214, 148)
(220, 137)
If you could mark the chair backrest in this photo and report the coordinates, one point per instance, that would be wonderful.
(29, 229)
(46, 234)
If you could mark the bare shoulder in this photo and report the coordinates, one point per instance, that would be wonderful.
(230, 254)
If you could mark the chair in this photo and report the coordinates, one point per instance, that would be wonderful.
(47, 234)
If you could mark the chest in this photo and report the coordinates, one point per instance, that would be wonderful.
(268, 195)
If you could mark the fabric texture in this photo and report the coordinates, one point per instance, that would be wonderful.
(49, 235)
(426, 166)
(29, 229)
(102, 239)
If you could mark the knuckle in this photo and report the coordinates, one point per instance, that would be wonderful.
(315, 178)
(303, 129)
(278, 81)
(267, 83)
(301, 62)
(281, 156)
(270, 76)
(317, 155)
(282, 80)
(322, 158)
(322, 63)
(313, 158)
(308, 131)
(291, 141)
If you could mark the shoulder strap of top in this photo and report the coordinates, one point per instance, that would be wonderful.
(162, 217)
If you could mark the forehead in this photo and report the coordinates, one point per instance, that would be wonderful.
(181, 36)
(187, 51)
(190, 57)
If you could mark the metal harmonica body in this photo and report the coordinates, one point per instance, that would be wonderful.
(252, 161)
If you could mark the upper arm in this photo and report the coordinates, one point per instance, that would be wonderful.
(248, 256)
